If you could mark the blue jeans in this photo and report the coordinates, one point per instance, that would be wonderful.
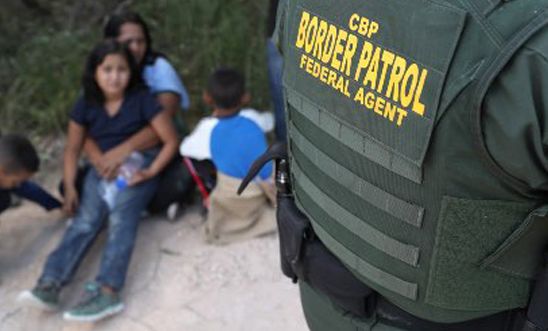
(275, 67)
(93, 212)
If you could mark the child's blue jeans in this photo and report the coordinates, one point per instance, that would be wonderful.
(123, 221)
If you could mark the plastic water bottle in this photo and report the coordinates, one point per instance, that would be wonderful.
(130, 167)
(109, 189)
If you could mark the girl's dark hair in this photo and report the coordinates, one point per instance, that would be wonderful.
(114, 25)
(92, 92)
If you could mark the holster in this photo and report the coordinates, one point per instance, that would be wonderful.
(294, 230)
(309, 260)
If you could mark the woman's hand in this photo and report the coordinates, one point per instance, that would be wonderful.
(142, 176)
(109, 163)
(70, 204)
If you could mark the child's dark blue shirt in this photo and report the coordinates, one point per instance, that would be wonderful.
(137, 110)
(31, 191)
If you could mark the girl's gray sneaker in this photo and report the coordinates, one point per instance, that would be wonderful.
(45, 297)
(96, 305)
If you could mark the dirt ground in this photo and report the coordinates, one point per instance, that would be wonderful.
(175, 281)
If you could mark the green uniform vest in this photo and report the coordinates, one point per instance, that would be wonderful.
(384, 109)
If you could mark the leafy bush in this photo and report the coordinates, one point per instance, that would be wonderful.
(42, 56)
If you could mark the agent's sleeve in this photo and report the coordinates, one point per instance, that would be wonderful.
(35, 193)
(515, 115)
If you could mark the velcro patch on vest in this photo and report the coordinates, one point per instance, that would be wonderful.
(376, 67)
(469, 231)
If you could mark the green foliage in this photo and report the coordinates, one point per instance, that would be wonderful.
(41, 65)
(45, 83)
(201, 35)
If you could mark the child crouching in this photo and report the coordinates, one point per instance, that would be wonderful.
(232, 139)
(18, 163)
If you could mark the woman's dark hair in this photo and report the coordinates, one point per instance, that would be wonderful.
(114, 25)
(92, 92)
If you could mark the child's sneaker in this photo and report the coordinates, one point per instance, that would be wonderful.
(95, 306)
(45, 297)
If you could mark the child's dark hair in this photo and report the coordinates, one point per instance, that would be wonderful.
(92, 92)
(226, 87)
(114, 24)
(17, 154)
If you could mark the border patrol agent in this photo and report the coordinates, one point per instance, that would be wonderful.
(417, 142)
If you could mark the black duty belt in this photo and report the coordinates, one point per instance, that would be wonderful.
(511, 320)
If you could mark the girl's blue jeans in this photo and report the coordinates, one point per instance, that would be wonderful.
(121, 222)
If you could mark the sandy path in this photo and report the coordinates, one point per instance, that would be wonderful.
(175, 282)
